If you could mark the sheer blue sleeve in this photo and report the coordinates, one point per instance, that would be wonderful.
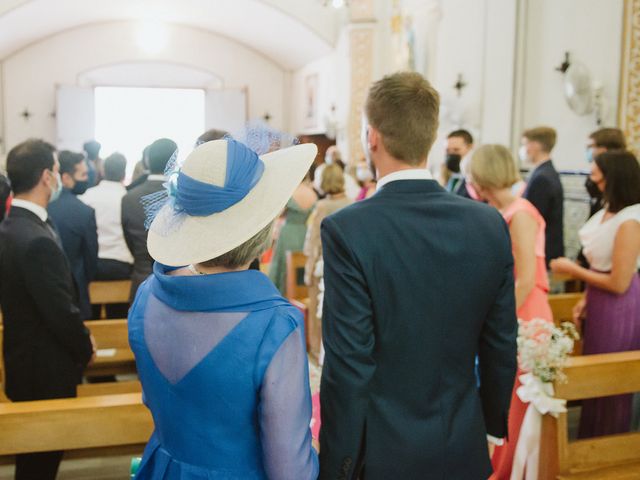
(285, 414)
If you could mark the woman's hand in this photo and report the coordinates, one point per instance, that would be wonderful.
(579, 312)
(562, 265)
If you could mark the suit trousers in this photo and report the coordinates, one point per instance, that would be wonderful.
(40, 466)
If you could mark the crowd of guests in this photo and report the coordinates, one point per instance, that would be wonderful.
(388, 252)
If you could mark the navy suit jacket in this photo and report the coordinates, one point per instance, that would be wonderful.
(76, 225)
(419, 283)
(544, 190)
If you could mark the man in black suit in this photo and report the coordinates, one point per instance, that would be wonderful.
(133, 215)
(544, 188)
(419, 283)
(46, 345)
(76, 224)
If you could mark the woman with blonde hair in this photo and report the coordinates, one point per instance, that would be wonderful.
(493, 174)
(334, 186)
(220, 354)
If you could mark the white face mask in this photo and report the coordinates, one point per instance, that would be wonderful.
(55, 194)
(364, 174)
(522, 154)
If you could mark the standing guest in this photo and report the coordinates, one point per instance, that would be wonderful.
(94, 162)
(493, 174)
(367, 179)
(292, 233)
(140, 170)
(333, 156)
(133, 216)
(46, 345)
(76, 224)
(220, 354)
(114, 258)
(211, 135)
(544, 189)
(399, 395)
(459, 147)
(5, 196)
(333, 185)
(611, 309)
(601, 141)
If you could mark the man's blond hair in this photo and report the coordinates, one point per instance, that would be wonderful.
(404, 108)
(545, 136)
(492, 167)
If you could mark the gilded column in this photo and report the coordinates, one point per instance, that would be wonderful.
(629, 108)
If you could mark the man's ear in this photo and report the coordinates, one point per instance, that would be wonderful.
(373, 138)
(45, 178)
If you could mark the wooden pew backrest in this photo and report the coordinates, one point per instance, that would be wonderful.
(590, 376)
(296, 289)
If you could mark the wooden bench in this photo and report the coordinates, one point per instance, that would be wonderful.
(74, 424)
(607, 457)
(562, 309)
(105, 293)
(114, 354)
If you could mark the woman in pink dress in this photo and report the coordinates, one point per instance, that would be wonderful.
(493, 173)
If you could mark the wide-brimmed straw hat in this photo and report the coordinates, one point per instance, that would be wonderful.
(222, 196)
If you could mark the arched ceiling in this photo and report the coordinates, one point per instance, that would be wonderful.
(290, 32)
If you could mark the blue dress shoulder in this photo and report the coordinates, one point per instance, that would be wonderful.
(224, 372)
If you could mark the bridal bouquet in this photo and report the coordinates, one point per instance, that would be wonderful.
(543, 348)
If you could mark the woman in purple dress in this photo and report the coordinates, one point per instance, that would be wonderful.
(611, 309)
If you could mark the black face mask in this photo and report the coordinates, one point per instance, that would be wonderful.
(453, 162)
(592, 188)
(80, 187)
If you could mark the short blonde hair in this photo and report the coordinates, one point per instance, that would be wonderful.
(332, 179)
(404, 108)
(545, 136)
(245, 253)
(493, 167)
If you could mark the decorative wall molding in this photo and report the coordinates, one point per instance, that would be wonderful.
(361, 57)
(629, 107)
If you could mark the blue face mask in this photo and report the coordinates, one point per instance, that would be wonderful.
(55, 194)
(589, 155)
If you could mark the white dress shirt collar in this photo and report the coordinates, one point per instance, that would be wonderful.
(32, 207)
(157, 177)
(409, 174)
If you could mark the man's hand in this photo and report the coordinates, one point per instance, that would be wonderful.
(94, 349)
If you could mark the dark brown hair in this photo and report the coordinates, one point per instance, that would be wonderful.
(622, 174)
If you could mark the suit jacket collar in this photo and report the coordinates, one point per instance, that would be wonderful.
(31, 207)
(547, 165)
(411, 186)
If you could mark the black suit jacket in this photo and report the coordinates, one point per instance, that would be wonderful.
(76, 224)
(544, 190)
(419, 283)
(133, 218)
(45, 342)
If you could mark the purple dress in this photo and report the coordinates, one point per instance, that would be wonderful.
(612, 322)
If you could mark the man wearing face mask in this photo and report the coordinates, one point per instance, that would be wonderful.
(459, 147)
(76, 224)
(600, 141)
(46, 346)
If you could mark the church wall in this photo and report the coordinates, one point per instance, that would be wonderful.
(30, 76)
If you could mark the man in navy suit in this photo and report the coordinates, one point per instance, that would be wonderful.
(76, 224)
(419, 283)
(544, 188)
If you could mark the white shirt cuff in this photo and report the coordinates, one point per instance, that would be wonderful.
(496, 441)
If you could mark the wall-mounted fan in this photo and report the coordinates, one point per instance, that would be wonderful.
(578, 88)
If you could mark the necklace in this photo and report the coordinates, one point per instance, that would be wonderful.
(194, 270)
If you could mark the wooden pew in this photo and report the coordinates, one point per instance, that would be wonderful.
(114, 354)
(104, 293)
(74, 424)
(608, 457)
(562, 309)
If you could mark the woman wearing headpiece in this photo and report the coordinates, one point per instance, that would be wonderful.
(220, 354)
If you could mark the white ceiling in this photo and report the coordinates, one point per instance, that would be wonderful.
(290, 32)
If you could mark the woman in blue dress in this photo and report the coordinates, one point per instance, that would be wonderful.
(220, 354)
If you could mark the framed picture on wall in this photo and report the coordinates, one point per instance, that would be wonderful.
(311, 101)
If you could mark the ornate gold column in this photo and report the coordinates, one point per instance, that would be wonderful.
(361, 44)
(629, 107)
